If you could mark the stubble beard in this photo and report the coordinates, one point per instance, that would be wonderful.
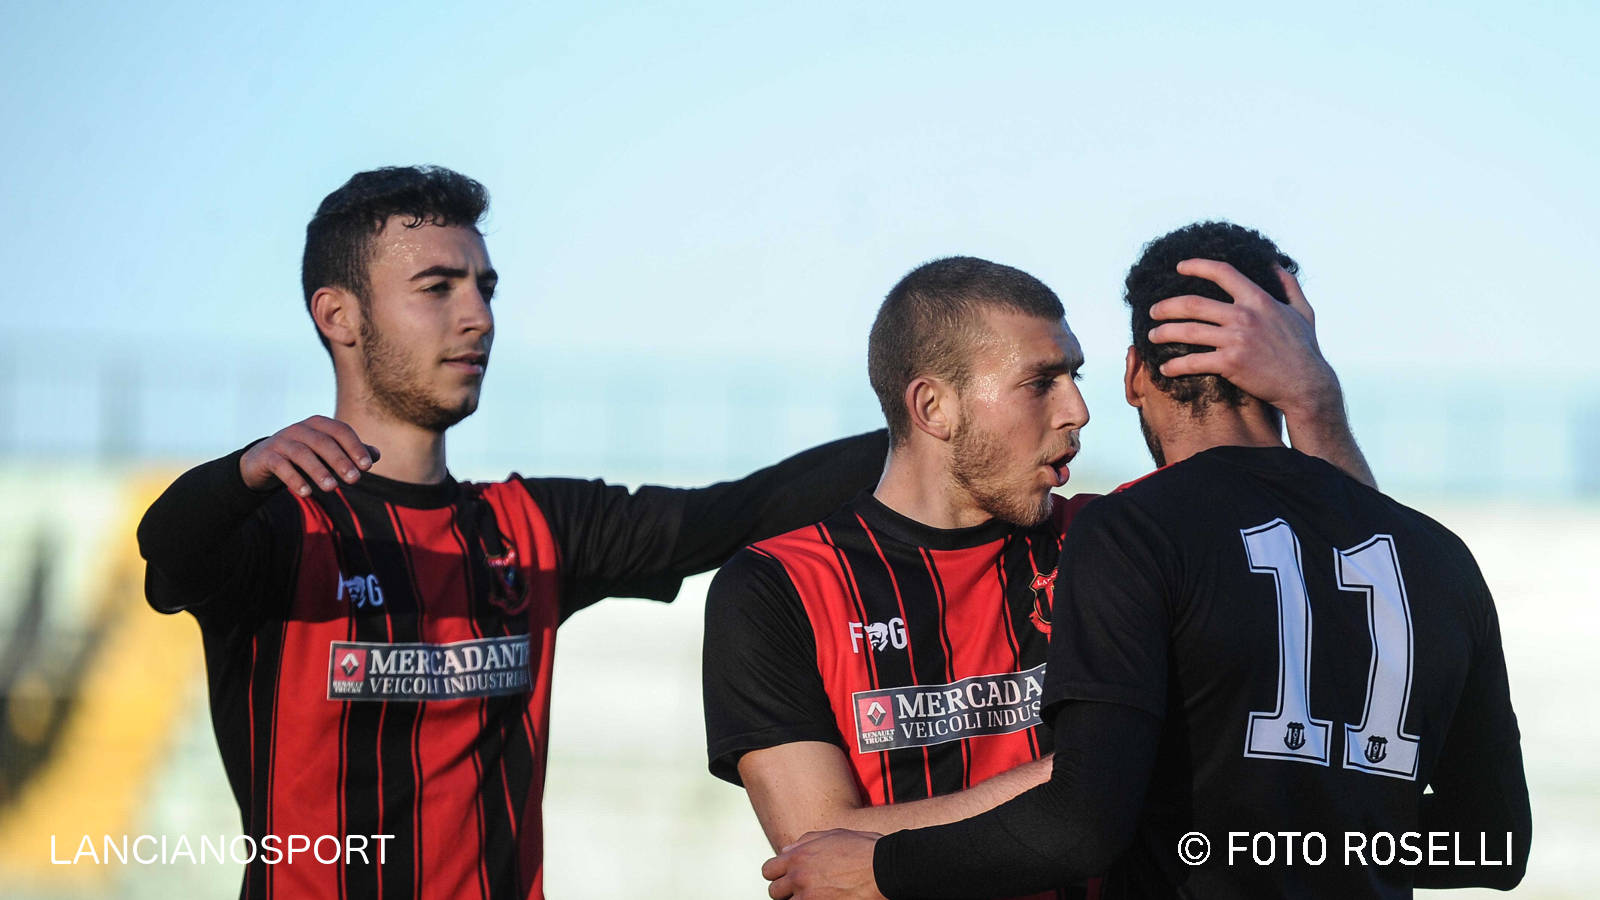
(977, 466)
(399, 388)
(1151, 442)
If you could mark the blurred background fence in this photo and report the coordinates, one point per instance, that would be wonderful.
(103, 723)
(687, 418)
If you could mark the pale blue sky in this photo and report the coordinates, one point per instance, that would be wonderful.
(1433, 168)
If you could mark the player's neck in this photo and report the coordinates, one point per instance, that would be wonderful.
(916, 483)
(406, 452)
(1186, 435)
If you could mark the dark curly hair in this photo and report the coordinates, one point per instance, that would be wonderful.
(339, 237)
(927, 322)
(1155, 277)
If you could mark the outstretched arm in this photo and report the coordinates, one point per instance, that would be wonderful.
(1269, 351)
(643, 543)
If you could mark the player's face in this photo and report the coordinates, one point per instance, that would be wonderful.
(1020, 416)
(426, 333)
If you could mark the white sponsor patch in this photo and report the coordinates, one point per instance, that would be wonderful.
(479, 668)
(924, 714)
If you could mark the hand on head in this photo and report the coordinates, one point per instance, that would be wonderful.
(1265, 348)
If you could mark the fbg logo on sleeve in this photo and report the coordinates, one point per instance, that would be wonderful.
(479, 668)
(920, 715)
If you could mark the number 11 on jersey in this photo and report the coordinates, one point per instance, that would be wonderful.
(1378, 744)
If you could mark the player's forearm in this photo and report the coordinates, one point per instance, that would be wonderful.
(798, 491)
(1320, 427)
(187, 528)
(979, 798)
(1058, 833)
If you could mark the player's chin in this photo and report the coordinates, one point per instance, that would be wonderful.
(1030, 509)
(448, 412)
(1042, 510)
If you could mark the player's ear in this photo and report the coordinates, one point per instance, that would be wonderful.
(337, 314)
(933, 408)
(1135, 378)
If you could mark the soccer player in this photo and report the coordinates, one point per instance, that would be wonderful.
(1247, 642)
(379, 636)
(883, 668)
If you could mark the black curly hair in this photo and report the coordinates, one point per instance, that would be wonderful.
(928, 321)
(1154, 277)
(339, 237)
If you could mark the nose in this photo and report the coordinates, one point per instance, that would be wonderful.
(1074, 412)
(474, 313)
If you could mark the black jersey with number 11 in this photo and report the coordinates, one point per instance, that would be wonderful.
(1318, 654)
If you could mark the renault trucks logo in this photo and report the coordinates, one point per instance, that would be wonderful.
(875, 713)
(920, 715)
(482, 668)
(351, 664)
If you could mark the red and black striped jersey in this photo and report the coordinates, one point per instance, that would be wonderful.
(379, 656)
(918, 651)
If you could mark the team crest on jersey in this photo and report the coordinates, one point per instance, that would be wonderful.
(1294, 737)
(1044, 599)
(920, 715)
(486, 667)
(1377, 749)
(507, 590)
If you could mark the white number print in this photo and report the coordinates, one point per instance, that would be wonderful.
(1379, 744)
(1288, 731)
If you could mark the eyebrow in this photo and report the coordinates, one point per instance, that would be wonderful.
(453, 272)
(1063, 366)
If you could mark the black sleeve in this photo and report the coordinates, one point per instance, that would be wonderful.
(207, 536)
(1068, 829)
(761, 684)
(1478, 784)
(616, 543)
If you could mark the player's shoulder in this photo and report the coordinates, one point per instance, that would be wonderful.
(809, 544)
(750, 580)
(517, 483)
(559, 500)
(776, 566)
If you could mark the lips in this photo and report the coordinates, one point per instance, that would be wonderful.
(1058, 466)
(474, 363)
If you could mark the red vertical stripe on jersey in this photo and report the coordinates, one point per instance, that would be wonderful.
(884, 784)
(911, 659)
(297, 734)
(949, 651)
